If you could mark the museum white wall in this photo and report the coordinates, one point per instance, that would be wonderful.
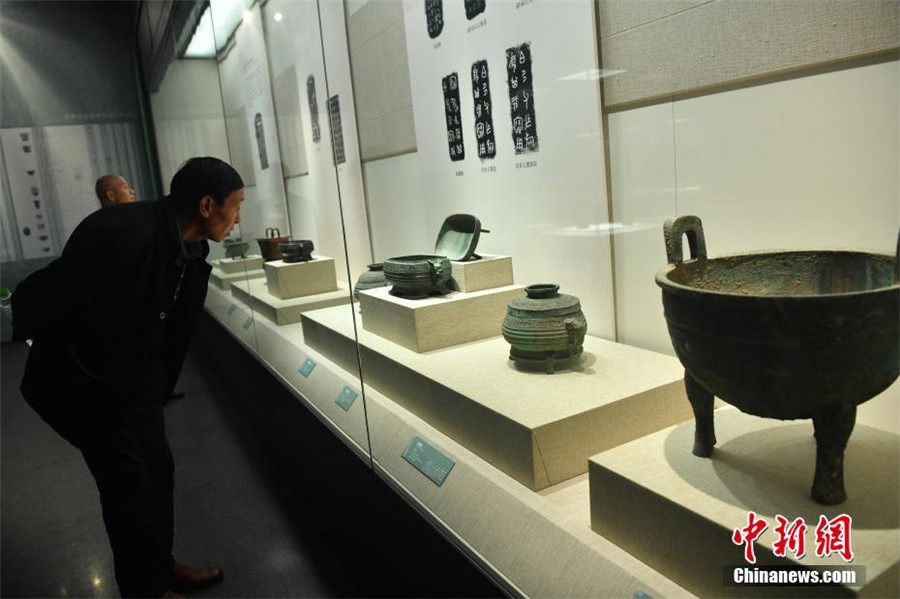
(187, 115)
(806, 162)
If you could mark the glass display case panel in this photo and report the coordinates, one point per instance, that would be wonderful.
(572, 134)
(189, 121)
(487, 345)
(276, 102)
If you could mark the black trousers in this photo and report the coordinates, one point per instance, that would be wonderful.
(126, 450)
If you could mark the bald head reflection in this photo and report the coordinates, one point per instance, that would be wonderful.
(113, 189)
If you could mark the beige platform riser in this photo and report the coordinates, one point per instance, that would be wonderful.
(224, 280)
(231, 266)
(434, 326)
(676, 512)
(488, 273)
(537, 458)
(287, 314)
(299, 279)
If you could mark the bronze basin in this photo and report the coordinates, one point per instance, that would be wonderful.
(783, 334)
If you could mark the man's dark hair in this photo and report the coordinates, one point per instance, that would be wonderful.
(199, 177)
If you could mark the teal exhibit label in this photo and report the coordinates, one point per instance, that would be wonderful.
(306, 368)
(346, 398)
(641, 594)
(248, 322)
(231, 309)
(428, 460)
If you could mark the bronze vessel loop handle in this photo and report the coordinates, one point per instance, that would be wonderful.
(674, 229)
(273, 232)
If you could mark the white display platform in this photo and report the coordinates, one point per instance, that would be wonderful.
(256, 294)
(676, 512)
(288, 280)
(540, 429)
(487, 273)
(436, 322)
(230, 266)
(223, 280)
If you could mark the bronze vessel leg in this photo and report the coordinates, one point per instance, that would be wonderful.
(702, 404)
(833, 425)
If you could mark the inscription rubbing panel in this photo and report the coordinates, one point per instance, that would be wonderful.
(337, 129)
(484, 120)
(521, 99)
(313, 108)
(434, 17)
(452, 110)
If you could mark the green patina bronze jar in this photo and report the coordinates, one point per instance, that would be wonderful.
(545, 327)
(236, 248)
(371, 279)
(418, 276)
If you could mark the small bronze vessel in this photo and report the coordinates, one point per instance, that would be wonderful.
(783, 334)
(268, 245)
(418, 276)
(235, 248)
(371, 279)
(545, 328)
(298, 250)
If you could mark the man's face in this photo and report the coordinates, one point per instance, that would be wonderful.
(121, 192)
(222, 218)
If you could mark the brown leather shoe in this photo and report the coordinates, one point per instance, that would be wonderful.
(185, 578)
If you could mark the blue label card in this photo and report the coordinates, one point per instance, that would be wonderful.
(640, 594)
(306, 368)
(346, 398)
(248, 322)
(428, 460)
(231, 309)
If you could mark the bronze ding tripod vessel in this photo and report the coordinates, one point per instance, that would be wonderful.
(783, 334)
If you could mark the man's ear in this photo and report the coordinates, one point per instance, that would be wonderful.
(206, 204)
(110, 196)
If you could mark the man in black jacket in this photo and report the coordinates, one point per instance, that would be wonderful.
(132, 283)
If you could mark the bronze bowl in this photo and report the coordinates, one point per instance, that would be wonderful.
(783, 334)
(418, 276)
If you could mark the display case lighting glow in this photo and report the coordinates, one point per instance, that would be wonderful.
(227, 15)
(203, 42)
(278, 16)
(247, 16)
(592, 74)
